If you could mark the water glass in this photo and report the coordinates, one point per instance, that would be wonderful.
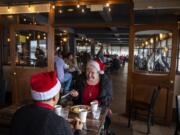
(94, 105)
(96, 114)
(65, 113)
(83, 116)
(58, 109)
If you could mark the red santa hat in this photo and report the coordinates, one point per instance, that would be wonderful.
(44, 86)
(98, 65)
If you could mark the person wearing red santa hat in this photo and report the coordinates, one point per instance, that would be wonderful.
(95, 85)
(39, 118)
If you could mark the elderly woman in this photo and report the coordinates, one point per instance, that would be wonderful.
(95, 85)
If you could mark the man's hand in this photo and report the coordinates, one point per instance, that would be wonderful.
(78, 124)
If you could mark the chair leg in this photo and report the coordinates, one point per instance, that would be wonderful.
(152, 120)
(129, 118)
(148, 122)
(176, 131)
(135, 114)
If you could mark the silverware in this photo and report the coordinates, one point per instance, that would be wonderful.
(66, 95)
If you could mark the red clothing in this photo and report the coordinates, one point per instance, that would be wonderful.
(44, 105)
(90, 93)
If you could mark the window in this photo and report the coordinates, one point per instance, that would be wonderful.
(153, 51)
(178, 57)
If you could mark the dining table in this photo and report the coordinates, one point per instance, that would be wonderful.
(91, 127)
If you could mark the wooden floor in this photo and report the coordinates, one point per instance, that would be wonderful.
(119, 121)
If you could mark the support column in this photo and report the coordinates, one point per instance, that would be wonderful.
(93, 49)
(51, 35)
(72, 47)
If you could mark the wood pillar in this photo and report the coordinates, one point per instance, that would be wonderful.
(72, 43)
(131, 53)
(1, 44)
(51, 46)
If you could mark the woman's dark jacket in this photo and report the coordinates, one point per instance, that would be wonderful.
(105, 96)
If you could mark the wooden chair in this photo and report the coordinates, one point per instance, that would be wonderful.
(177, 115)
(136, 106)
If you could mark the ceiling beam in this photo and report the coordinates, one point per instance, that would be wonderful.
(114, 42)
(156, 4)
(91, 2)
(120, 45)
(103, 31)
(107, 38)
(95, 25)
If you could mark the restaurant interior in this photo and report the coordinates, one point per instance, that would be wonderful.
(142, 34)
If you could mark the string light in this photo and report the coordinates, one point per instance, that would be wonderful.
(107, 4)
(29, 7)
(109, 9)
(38, 36)
(8, 9)
(65, 39)
(8, 39)
(161, 36)
(151, 41)
(78, 6)
(83, 10)
(60, 11)
(53, 6)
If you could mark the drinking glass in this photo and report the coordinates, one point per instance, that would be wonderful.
(96, 114)
(65, 113)
(58, 109)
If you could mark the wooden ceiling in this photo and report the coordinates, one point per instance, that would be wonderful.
(104, 26)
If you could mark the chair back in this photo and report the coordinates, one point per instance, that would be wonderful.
(178, 110)
(154, 97)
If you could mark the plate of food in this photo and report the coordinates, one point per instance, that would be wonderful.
(79, 108)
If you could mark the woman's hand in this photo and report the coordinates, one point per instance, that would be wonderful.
(74, 93)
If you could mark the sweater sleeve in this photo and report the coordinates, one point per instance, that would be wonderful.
(106, 92)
